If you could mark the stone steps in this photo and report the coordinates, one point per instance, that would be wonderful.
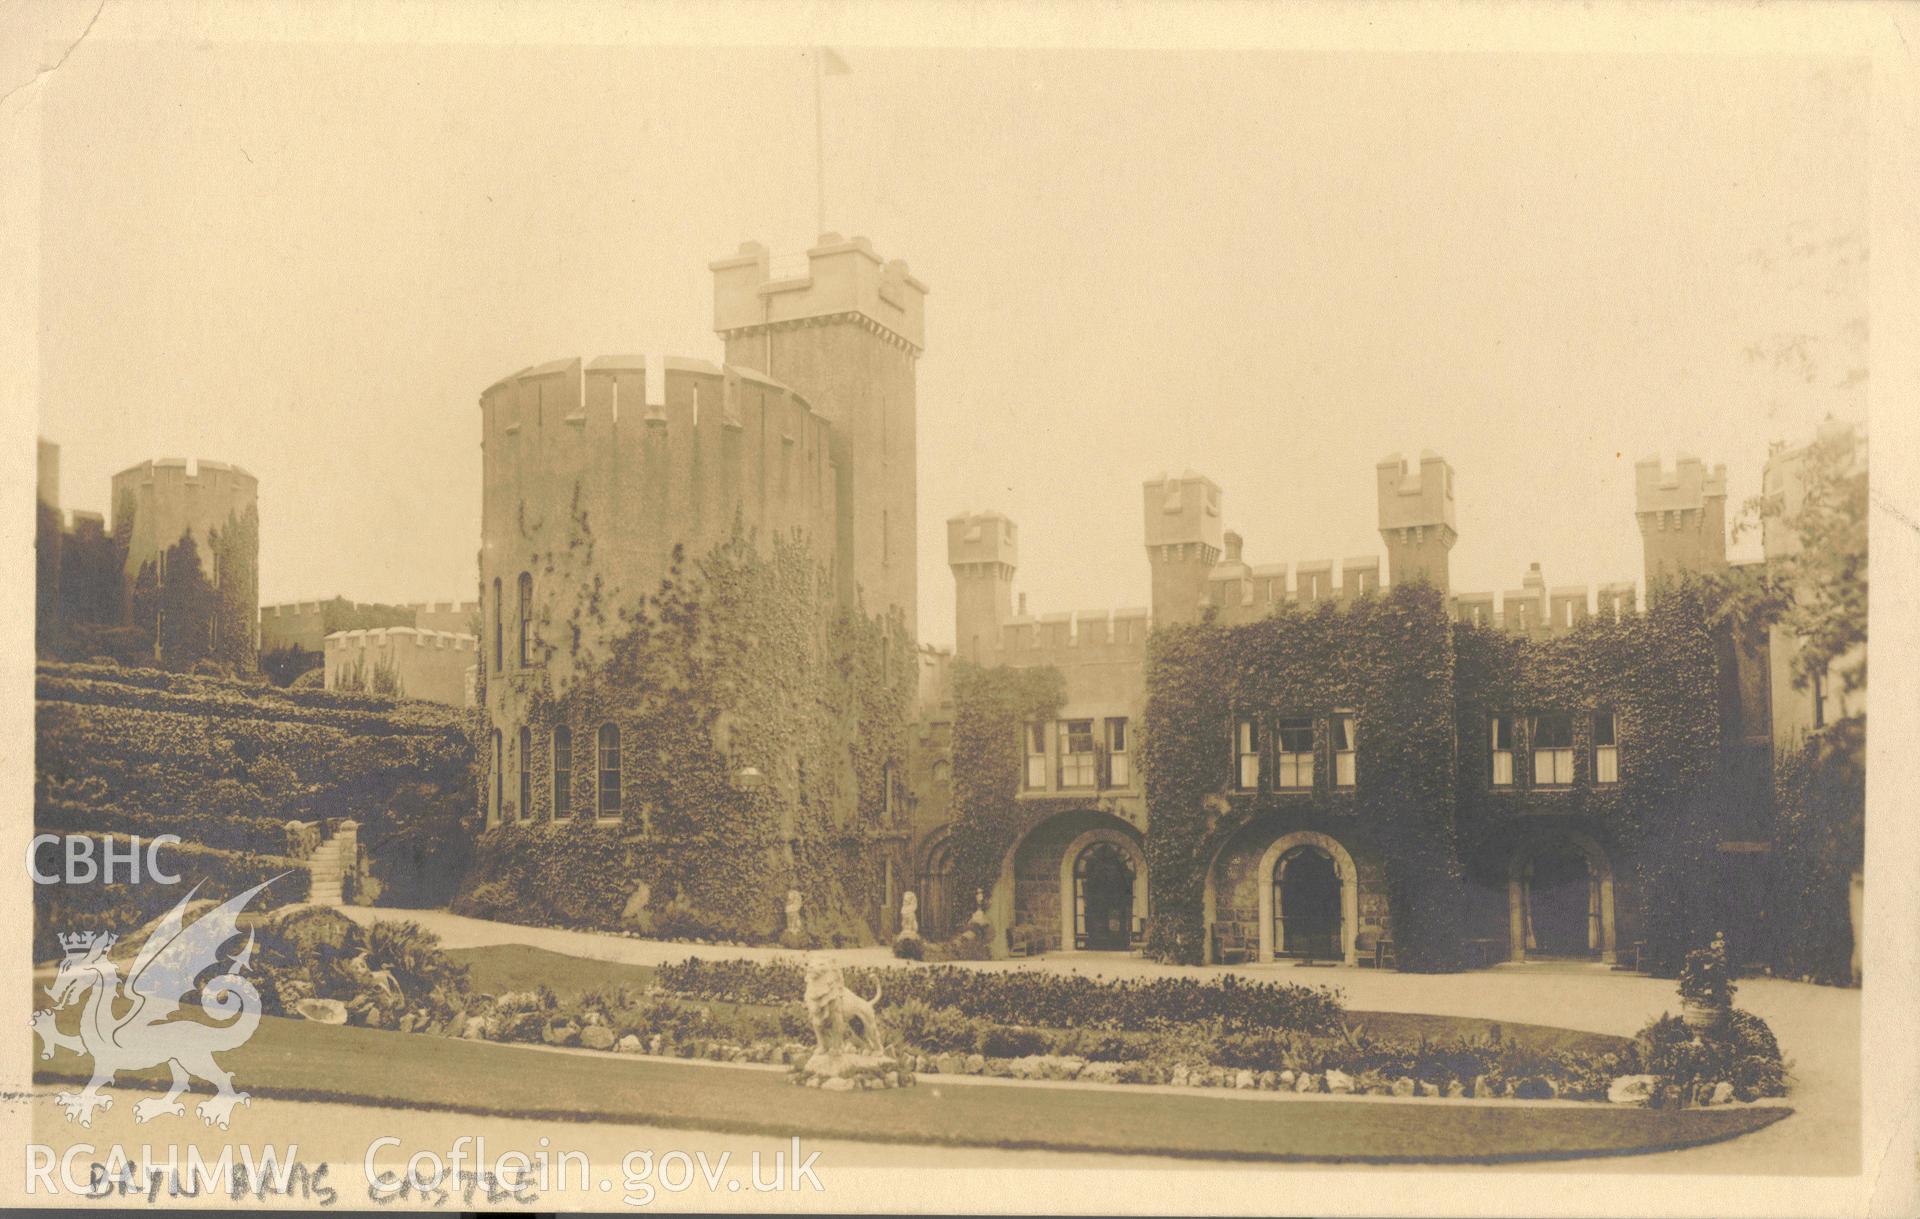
(327, 873)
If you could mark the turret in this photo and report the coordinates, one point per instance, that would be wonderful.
(983, 551)
(1682, 514)
(1416, 518)
(844, 329)
(1184, 540)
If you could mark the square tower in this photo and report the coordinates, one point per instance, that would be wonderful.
(983, 550)
(1416, 518)
(845, 332)
(1184, 540)
(1682, 514)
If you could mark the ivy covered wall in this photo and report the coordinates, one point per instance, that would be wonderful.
(763, 736)
(1388, 661)
(989, 707)
(1433, 843)
(1660, 823)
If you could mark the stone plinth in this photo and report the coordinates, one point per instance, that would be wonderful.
(849, 1072)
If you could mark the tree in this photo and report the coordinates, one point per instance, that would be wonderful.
(1813, 585)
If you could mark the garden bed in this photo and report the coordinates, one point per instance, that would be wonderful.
(300, 1060)
(1224, 1033)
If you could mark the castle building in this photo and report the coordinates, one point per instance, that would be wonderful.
(404, 661)
(1348, 753)
(1294, 864)
(605, 477)
(179, 563)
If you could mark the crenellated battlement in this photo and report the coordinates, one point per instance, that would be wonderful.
(1417, 498)
(399, 636)
(976, 538)
(303, 624)
(1537, 611)
(193, 472)
(1182, 512)
(621, 458)
(841, 279)
(1416, 518)
(1688, 484)
(630, 389)
(418, 663)
(1091, 636)
(1683, 515)
(1238, 591)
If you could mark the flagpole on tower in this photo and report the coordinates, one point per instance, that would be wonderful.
(819, 143)
(825, 63)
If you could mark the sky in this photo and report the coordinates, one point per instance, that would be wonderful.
(1272, 268)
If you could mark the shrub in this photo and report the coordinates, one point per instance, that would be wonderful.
(413, 955)
(1010, 1041)
(910, 948)
(1030, 997)
(318, 953)
(226, 763)
(62, 907)
(969, 945)
(1705, 978)
(1742, 1051)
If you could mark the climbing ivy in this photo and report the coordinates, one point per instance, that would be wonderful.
(1388, 660)
(762, 729)
(1659, 673)
(990, 706)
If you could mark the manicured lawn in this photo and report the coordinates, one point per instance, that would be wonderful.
(301, 1060)
(504, 967)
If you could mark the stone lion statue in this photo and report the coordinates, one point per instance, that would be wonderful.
(841, 1019)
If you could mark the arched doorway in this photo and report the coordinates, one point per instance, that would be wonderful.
(936, 891)
(1306, 905)
(1103, 884)
(1309, 899)
(1560, 899)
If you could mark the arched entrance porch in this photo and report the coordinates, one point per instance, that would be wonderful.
(1560, 902)
(1103, 891)
(1309, 899)
(1053, 880)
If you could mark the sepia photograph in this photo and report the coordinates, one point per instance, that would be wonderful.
(1071, 609)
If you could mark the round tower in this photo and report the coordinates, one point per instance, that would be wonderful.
(190, 533)
(594, 471)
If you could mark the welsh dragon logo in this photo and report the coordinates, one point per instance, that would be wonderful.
(140, 1024)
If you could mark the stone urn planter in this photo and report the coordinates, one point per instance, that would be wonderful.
(1702, 1017)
